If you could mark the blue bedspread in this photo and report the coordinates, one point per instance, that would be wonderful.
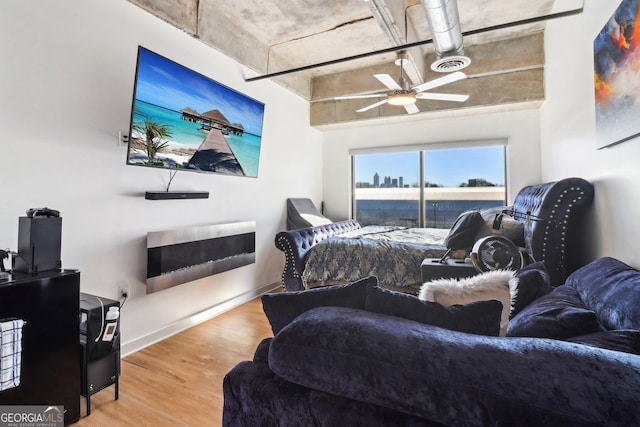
(393, 254)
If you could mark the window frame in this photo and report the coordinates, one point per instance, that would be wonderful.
(421, 149)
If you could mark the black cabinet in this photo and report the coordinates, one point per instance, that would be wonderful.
(50, 370)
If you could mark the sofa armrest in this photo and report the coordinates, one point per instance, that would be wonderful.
(296, 243)
(456, 378)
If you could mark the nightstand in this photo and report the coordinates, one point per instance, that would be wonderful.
(432, 268)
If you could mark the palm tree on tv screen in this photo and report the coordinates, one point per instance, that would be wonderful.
(156, 135)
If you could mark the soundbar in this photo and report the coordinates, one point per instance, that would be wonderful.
(175, 195)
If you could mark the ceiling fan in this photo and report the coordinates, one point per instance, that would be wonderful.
(407, 96)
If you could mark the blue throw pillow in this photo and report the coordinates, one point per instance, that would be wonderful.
(282, 308)
(612, 289)
(481, 317)
(559, 314)
(533, 282)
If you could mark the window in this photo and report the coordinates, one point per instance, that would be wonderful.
(387, 188)
(427, 188)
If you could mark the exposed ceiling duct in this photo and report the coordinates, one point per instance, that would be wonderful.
(442, 16)
(320, 52)
(444, 23)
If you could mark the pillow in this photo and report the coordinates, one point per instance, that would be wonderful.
(490, 213)
(491, 285)
(316, 220)
(612, 289)
(625, 340)
(282, 308)
(559, 314)
(532, 282)
(510, 228)
(480, 318)
(463, 230)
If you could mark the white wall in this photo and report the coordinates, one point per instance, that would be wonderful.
(66, 82)
(520, 128)
(568, 135)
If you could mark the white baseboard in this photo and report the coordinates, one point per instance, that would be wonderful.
(186, 323)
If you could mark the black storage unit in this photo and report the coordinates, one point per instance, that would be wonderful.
(100, 358)
(433, 269)
(39, 244)
(50, 369)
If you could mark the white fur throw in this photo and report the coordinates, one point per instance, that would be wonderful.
(499, 285)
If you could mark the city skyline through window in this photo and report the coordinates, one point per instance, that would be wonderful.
(445, 167)
(387, 185)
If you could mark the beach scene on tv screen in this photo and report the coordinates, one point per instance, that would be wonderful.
(185, 121)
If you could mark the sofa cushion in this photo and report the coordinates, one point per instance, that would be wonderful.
(558, 314)
(611, 288)
(533, 282)
(480, 317)
(282, 308)
(625, 340)
(254, 396)
(421, 369)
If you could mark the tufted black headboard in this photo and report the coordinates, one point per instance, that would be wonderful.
(554, 238)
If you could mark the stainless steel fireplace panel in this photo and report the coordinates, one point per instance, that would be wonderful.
(179, 256)
(184, 235)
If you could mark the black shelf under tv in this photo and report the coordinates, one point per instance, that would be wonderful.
(176, 195)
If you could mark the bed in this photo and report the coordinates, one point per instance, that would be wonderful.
(343, 251)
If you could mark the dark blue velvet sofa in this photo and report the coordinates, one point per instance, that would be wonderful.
(358, 355)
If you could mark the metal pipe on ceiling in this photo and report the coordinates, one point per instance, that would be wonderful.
(385, 19)
(444, 23)
(418, 43)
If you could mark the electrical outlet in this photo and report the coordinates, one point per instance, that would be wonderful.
(123, 138)
(123, 290)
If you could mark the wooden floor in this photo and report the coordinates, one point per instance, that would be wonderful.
(178, 382)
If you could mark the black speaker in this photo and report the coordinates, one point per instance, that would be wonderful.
(39, 244)
(175, 195)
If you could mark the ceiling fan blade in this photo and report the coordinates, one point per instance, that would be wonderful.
(442, 96)
(369, 107)
(441, 81)
(411, 108)
(388, 81)
(372, 95)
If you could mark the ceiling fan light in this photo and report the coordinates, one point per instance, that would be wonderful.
(402, 99)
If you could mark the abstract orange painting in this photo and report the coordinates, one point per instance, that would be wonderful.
(617, 76)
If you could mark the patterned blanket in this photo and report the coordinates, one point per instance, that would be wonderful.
(393, 254)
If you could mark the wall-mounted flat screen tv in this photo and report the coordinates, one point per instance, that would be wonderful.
(182, 120)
